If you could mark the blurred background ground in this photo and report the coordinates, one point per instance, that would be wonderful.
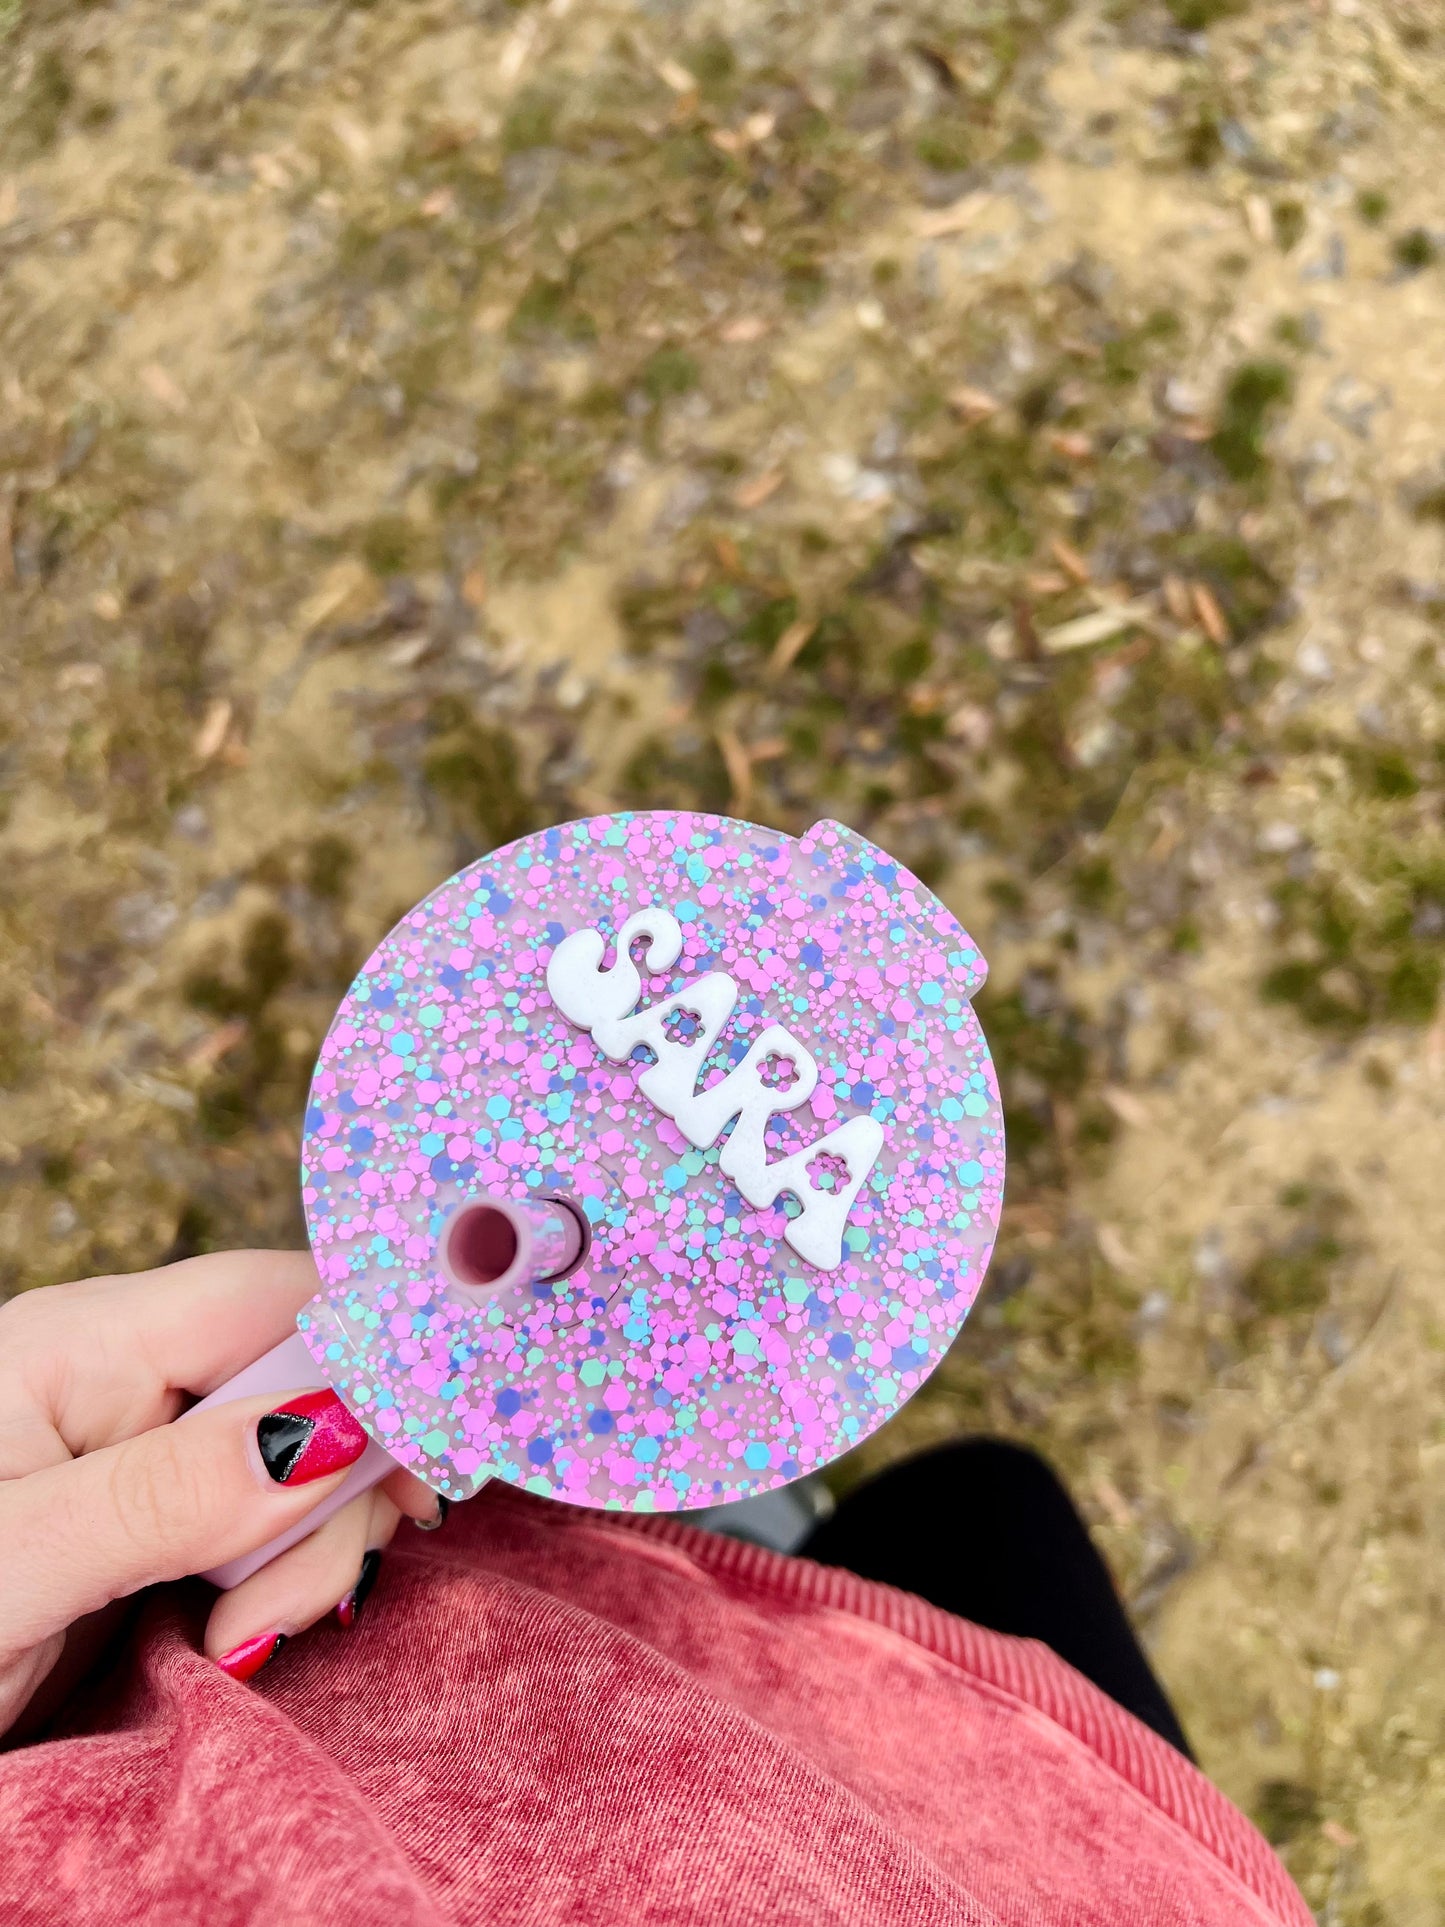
(1016, 428)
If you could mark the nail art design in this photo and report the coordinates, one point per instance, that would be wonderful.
(308, 1437)
(247, 1659)
(444, 1506)
(348, 1610)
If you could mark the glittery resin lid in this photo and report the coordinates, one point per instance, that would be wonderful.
(760, 1294)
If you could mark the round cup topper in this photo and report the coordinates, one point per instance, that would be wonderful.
(748, 1066)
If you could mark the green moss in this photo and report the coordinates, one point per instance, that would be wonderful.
(266, 964)
(330, 862)
(1372, 205)
(1197, 16)
(910, 661)
(1253, 394)
(1290, 222)
(1095, 886)
(389, 545)
(549, 308)
(713, 65)
(1295, 1278)
(1412, 988)
(1203, 143)
(805, 280)
(47, 99)
(672, 772)
(668, 372)
(475, 771)
(1414, 249)
(1285, 1808)
(945, 143)
(1291, 331)
(531, 120)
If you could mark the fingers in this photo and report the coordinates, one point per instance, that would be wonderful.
(102, 1360)
(304, 1583)
(174, 1500)
(414, 1500)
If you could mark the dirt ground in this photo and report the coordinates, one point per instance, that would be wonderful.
(1016, 428)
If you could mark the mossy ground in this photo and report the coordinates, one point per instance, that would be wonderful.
(1017, 429)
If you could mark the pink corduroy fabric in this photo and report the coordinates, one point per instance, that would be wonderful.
(550, 1716)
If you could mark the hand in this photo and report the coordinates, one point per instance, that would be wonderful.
(101, 1495)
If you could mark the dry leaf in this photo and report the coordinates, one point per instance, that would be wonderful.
(164, 389)
(1211, 616)
(726, 551)
(213, 730)
(752, 494)
(1069, 559)
(747, 327)
(1257, 218)
(790, 645)
(343, 580)
(759, 126)
(217, 1044)
(1337, 1835)
(972, 404)
(954, 218)
(79, 675)
(768, 750)
(1177, 600)
(1112, 1501)
(106, 606)
(243, 420)
(726, 141)
(439, 203)
(474, 586)
(971, 725)
(9, 202)
(739, 768)
(513, 56)
(1128, 1108)
(353, 137)
(269, 171)
(1073, 446)
(676, 77)
(1046, 582)
(1165, 843)
(1098, 627)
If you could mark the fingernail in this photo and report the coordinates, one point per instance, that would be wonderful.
(348, 1610)
(308, 1437)
(444, 1506)
(247, 1659)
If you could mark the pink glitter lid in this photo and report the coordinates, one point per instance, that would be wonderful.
(768, 1279)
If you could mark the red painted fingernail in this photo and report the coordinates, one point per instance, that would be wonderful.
(247, 1659)
(308, 1437)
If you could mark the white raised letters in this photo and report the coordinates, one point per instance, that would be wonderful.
(776, 1076)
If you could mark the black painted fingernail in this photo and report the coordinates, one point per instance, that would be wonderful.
(348, 1610)
(444, 1506)
(311, 1435)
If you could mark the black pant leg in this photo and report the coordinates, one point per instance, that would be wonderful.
(986, 1530)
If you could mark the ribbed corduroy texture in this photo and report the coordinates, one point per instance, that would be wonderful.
(554, 1717)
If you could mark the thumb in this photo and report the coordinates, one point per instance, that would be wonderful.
(178, 1499)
